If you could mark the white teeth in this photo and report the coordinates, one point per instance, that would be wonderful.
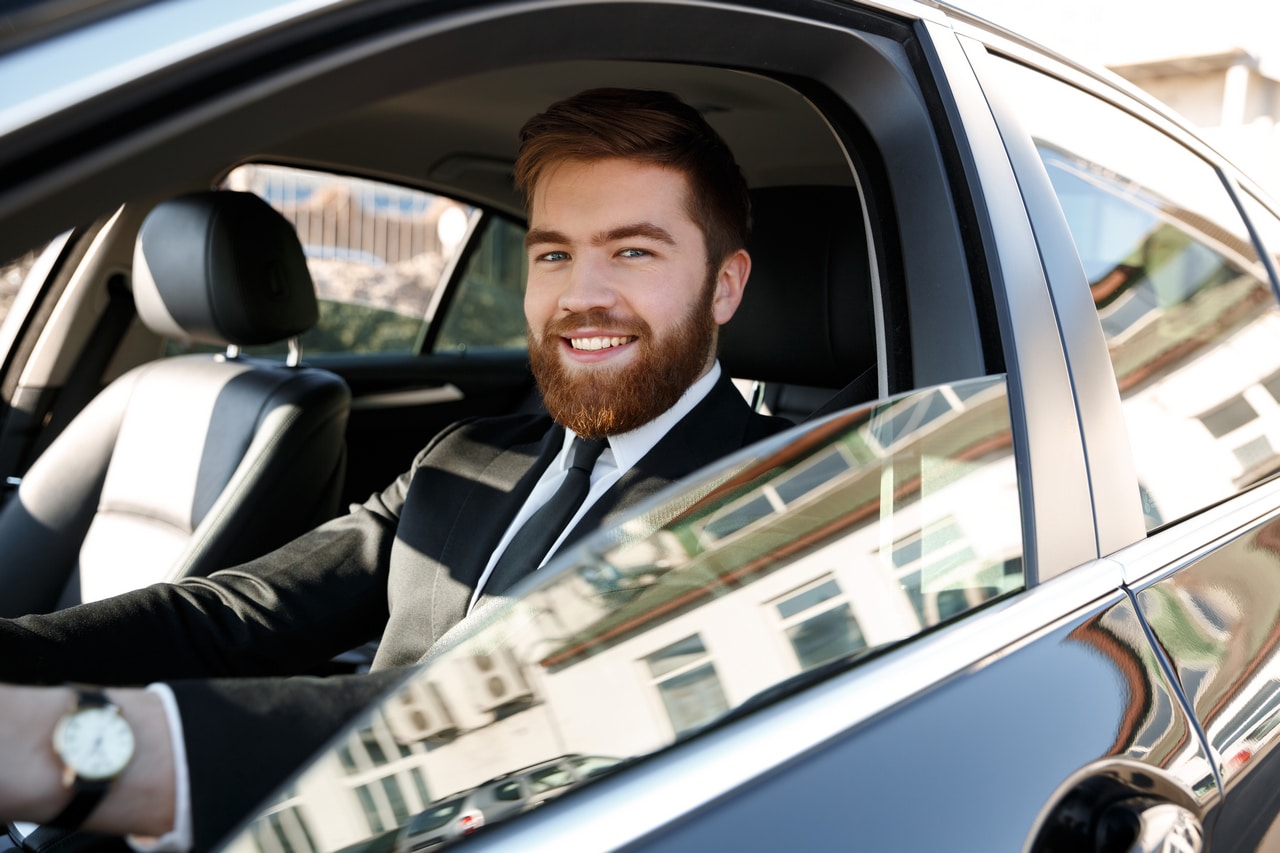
(597, 343)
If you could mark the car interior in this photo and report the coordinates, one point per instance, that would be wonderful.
(193, 463)
(823, 325)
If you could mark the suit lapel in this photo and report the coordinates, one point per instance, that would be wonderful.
(717, 426)
(507, 482)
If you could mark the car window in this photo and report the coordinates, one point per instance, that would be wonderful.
(487, 311)
(507, 791)
(549, 778)
(1188, 312)
(1267, 225)
(12, 275)
(380, 256)
(653, 631)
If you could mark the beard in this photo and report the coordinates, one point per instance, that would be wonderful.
(598, 402)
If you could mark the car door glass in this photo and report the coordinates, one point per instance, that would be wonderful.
(1188, 312)
(654, 630)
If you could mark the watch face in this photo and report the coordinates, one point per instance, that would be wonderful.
(95, 742)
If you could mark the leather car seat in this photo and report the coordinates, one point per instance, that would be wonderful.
(188, 464)
(805, 333)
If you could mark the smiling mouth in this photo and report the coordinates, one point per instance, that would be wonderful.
(599, 343)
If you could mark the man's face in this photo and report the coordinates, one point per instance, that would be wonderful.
(621, 305)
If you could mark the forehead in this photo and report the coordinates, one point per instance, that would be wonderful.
(575, 191)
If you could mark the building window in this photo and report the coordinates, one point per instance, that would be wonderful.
(819, 624)
(283, 831)
(370, 807)
(688, 684)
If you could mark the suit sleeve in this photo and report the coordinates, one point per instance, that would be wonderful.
(246, 737)
(284, 613)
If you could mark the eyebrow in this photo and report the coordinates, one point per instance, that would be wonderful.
(538, 236)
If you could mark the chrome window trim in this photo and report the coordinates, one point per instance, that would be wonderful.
(655, 794)
(1058, 521)
(1185, 541)
(1104, 84)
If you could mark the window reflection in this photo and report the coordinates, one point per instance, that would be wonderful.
(688, 685)
(1181, 292)
(819, 624)
(818, 546)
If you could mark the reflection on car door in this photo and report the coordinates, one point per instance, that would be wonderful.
(1189, 316)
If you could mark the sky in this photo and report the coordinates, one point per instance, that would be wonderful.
(1113, 32)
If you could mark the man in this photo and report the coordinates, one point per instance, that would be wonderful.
(638, 220)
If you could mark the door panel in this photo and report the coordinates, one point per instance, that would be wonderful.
(1218, 620)
(399, 403)
(982, 761)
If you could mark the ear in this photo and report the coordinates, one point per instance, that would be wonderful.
(730, 282)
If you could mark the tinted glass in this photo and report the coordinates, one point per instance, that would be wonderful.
(377, 253)
(1188, 312)
(650, 632)
(487, 311)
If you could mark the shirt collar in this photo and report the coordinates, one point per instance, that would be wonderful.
(628, 448)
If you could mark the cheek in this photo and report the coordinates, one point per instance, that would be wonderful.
(535, 302)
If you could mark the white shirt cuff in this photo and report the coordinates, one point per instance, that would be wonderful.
(178, 839)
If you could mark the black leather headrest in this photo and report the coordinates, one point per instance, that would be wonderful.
(807, 316)
(222, 268)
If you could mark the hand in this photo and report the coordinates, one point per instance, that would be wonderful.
(140, 802)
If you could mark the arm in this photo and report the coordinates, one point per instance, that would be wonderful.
(140, 801)
(243, 739)
(318, 596)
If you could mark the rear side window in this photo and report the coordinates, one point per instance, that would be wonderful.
(382, 257)
(1189, 315)
(377, 252)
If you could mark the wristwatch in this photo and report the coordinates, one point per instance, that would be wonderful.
(95, 744)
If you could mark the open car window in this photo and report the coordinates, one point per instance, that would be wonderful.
(775, 568)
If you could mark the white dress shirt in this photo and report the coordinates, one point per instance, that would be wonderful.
(623, 452)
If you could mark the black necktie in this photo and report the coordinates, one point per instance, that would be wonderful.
(533, 540)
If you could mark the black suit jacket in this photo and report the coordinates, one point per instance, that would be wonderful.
(403, 564)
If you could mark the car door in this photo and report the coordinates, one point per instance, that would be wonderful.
(889, 630)
(1182, 296)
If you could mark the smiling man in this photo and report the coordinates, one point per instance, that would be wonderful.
(638, 222)
(623, 300)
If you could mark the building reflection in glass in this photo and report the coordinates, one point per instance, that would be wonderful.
(823, 545)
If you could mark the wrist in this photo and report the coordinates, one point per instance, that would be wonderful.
(31, 789)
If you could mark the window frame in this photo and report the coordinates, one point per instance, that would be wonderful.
(1114, 494)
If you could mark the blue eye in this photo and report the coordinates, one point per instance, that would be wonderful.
(553, 256)
(634, 253)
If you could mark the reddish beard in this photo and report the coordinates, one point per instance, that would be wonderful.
(596, 402)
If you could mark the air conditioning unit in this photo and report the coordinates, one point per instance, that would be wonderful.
(419, 713)
(496, 679)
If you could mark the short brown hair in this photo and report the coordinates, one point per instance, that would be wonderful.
(652, 127)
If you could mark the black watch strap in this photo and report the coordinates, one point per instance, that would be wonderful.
(85, 797)
(86, 794)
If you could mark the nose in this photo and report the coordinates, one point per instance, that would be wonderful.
(587, 288)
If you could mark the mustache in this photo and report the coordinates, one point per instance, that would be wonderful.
(564, 327)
